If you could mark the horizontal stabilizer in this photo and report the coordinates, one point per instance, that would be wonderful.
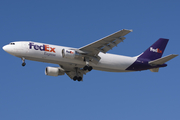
(154, 69)
(162, 60)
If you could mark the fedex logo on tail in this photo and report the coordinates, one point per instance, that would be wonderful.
(157, 50)
(42, 47)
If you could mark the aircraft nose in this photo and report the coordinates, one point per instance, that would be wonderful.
(4, 48)
(7, 48)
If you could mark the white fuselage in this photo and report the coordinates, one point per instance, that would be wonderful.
(53, 54)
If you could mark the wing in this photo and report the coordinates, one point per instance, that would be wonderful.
(90, 53)
(106, 43)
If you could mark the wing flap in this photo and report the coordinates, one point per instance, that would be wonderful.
(162, 60)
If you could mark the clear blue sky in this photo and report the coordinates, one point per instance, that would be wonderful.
(27, 94)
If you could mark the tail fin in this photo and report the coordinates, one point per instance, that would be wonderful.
(156, 50)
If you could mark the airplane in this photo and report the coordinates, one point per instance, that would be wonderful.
(76, 62)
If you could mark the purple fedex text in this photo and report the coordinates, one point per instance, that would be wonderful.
(41, 47)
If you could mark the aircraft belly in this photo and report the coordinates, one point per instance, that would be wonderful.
(99, 66)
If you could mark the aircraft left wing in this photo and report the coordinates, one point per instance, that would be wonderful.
(106, 43)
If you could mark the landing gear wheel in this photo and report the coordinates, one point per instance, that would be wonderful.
(90, 68)
(79, 78)
(23, 64)
(85, 67)
(75, 78)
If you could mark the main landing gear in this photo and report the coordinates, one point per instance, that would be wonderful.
(87, 67)
(23, 60)
(79, 78)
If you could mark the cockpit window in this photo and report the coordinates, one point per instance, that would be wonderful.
(12, 43)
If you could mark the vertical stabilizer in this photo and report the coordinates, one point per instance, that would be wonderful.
(156, 50)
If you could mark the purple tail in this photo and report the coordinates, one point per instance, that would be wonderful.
(156, 50)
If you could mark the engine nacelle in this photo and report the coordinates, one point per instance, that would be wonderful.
(54, 71)
(71, 54)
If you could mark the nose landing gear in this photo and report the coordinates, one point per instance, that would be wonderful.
(23, 60)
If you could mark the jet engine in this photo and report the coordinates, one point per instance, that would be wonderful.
(71, 54)
(54, 71)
